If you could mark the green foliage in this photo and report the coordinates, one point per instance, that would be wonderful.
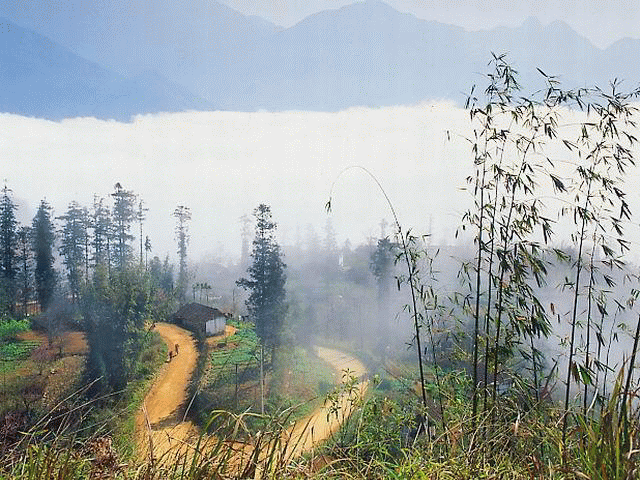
(74, 245)
(244, 353)
(9, 328)
(267, 278)
(8, 247)
(43, 239)
(10, 352)
(183, 216)
(114, 318)
(123, 214)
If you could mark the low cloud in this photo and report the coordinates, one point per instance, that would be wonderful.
(222, 164)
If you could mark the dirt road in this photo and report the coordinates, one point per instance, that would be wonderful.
(162, 430)
(160, 426)
(321, 424)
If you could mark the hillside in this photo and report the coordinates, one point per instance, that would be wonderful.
(88, 60)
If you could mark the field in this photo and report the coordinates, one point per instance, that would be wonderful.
(232, 378)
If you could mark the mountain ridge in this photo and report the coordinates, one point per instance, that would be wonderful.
(209, 56)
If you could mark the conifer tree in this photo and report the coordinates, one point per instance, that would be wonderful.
(267, 278)
(8, 246)
(73, 245)
(183, 215)
(123, 214)
(43, 239)
(25, 271)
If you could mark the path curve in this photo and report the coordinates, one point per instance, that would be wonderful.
(321, 424)
(161, 428)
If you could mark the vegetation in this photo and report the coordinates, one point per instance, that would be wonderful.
(183, 215)
(517, 371)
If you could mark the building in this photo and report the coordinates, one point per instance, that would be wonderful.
(201, 319)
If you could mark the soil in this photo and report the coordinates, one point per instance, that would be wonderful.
(161, 427)
(72, 343)
(322, 423)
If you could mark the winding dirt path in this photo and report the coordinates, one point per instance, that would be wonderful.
(321, 424)
(161, 426)
(162, 430)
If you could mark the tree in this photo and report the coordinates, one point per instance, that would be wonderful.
(162, 274)
(267, 278)
(8, 246)
(183, 215)
(382, 259)
(123, 215)
(141, 216)
(114, 317)
(102, 231)
(147, 249)
(43, 239)
(25, 257)
(73, 245)
(245, 221)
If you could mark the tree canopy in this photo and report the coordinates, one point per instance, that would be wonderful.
(267, 278)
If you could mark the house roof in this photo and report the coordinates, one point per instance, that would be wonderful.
(198, 312)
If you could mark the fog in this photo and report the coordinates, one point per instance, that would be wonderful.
(221, 165)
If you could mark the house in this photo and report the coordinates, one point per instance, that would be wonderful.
(201, 319)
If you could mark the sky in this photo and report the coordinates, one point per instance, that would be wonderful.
(603, 22)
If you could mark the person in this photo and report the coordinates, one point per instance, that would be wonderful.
(177, 346)
(170, 355)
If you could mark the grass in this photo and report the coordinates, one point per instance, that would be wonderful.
(14, 353)
(122, 415)
(11, 327)
(296, 380)
(239, 349)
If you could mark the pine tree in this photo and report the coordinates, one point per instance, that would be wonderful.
(102, 231)
(183, 215)
(123, 214)
(73, 246)
(8, 246)
(25, 274)
(43, 239)
(267, 278)
(141, 216)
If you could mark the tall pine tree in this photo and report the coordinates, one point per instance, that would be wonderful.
(73, 246)
(8, 247)
(43, 240)
(267, 278)
(25, 269)
(123, 214)
(183, 215)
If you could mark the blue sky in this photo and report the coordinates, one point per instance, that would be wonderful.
(603, 22)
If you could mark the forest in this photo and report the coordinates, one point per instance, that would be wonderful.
(509, 353)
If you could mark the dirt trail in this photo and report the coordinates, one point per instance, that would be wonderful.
(161, 428)
(321, 424)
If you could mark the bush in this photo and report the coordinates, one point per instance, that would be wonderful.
(11, 327)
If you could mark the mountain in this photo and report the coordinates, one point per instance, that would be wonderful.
(369, 54)
(363, 54)
(43, 79)
(366, 54)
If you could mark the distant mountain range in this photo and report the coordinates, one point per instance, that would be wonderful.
(114, 59)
